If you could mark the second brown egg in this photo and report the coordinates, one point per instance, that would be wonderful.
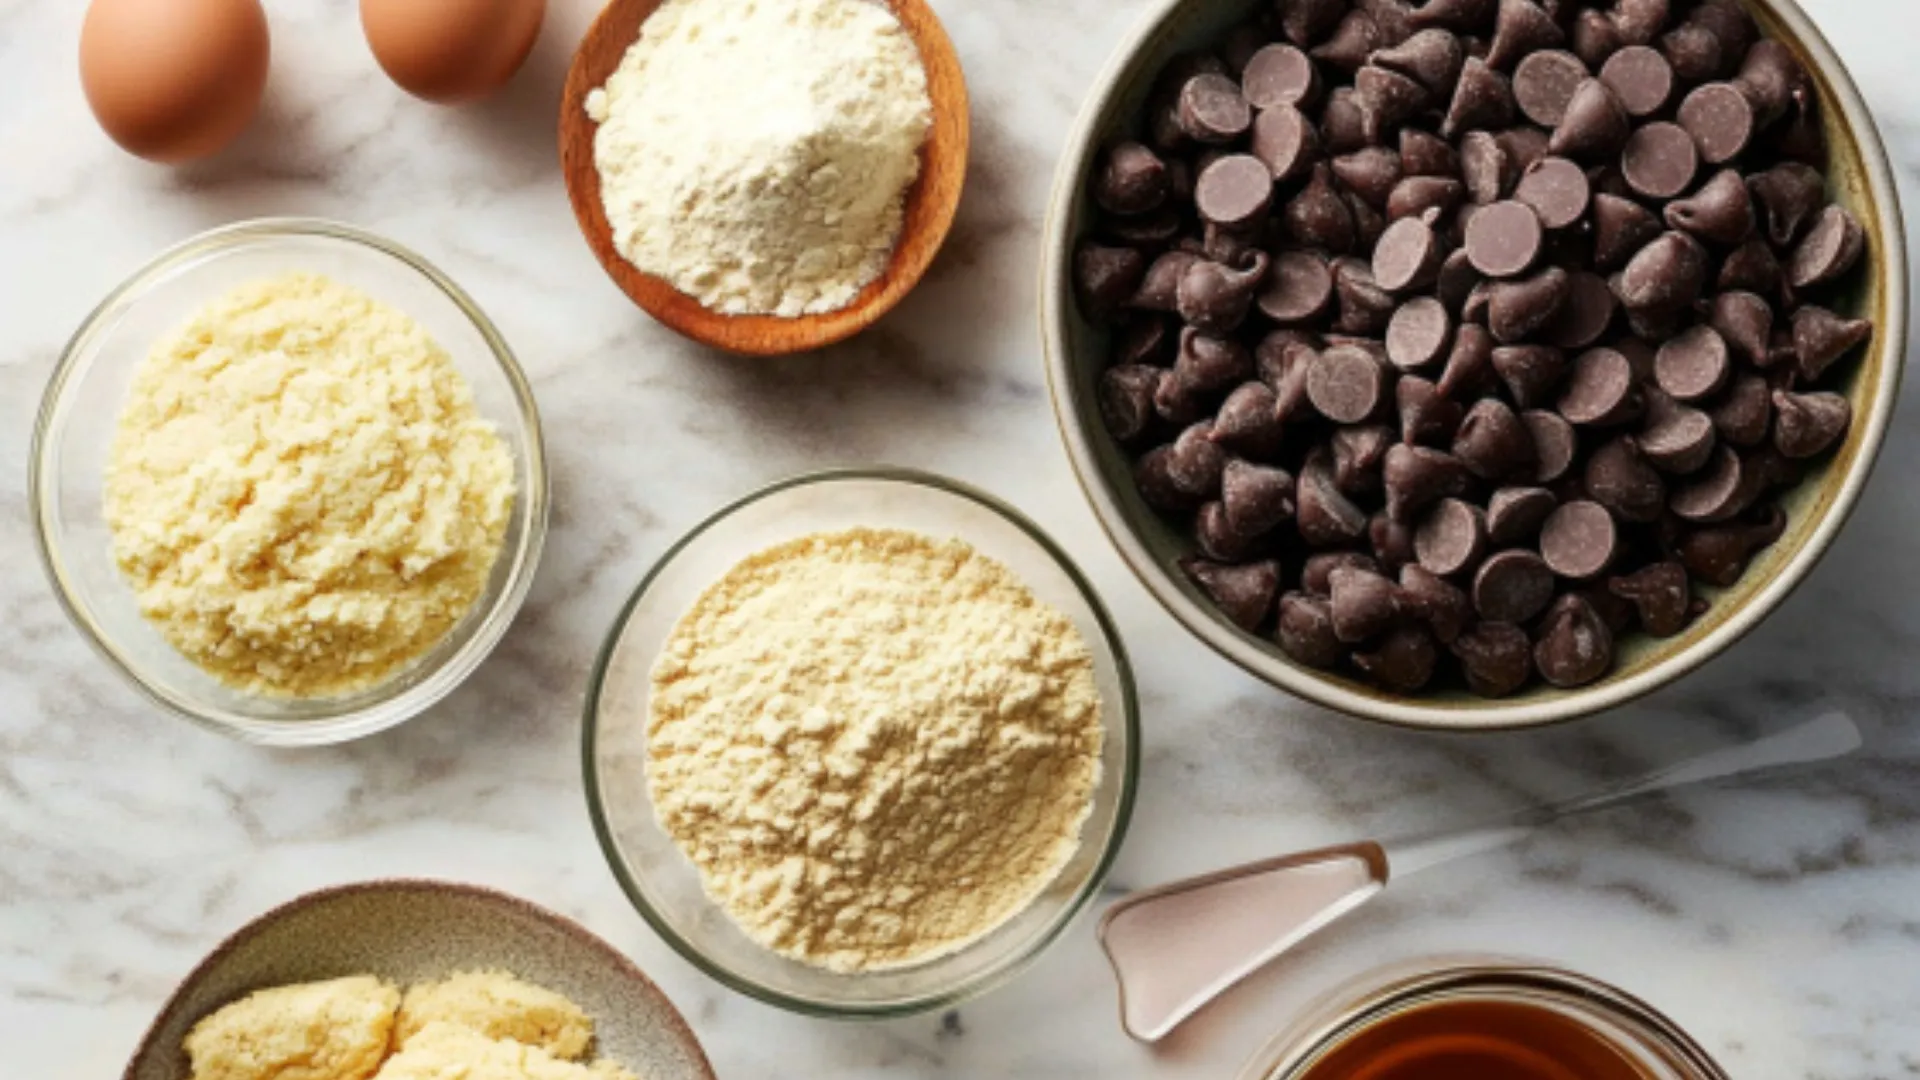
(451, 51)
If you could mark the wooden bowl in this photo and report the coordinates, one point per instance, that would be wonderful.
(1859, 176)
(413, 931)
(931, 201)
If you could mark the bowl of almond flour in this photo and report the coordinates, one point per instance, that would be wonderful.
(862, 744)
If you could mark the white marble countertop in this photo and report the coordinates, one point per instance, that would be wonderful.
(1779, 922)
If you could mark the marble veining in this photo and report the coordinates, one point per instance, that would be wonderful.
(1779, 920)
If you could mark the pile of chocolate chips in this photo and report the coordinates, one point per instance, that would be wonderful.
(1483, 328)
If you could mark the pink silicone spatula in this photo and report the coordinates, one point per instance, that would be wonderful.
(1176, 947)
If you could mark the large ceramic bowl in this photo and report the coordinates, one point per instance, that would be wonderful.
(664, 885)
(81, 410)
(1859, 177)
(414, 931)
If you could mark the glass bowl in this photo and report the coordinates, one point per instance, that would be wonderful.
(664, 885)
(81, 409)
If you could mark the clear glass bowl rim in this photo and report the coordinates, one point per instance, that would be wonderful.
(1378, 994)
(375, 716)
(948, 996)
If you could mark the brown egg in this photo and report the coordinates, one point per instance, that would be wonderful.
(451, 50)
(172, 80)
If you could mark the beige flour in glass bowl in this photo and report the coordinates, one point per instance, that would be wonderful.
(80, 414)
(952, 951)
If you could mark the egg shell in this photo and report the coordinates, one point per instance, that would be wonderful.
(174, 80)
(451, 51)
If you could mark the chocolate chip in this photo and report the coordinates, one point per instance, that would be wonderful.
(1365, 308)
(1357, 456)
(1575, 647)
(1425, 154)
(1392, 542)
(1404, 661)
(1325, 516)
(1595, 126)
(1285, 141)
(1504, 239)
(1619, 477)
(1416, 196)
(1833, 244)
(1318, 217)
(1515, 514)
(1694, 52)
(1133, 180)
(1493, 443)
(1234, 191)
(1212, 110)
(1595, 37)
(1516, 309)
(1660, 160)
(1441, 605)
(1807, 425)
(1256, 498)
(1470, 363)
(1601, 390)
(1299, 287)
(1365, 604)
(1677, 439)
(1457, 281)
(1720, 120)
(1746, 322)
(1512, 586)
(1585, 316)
(1126, 400)
(1745, 412)
(1532, 373)
(1248, 422)
(1719, 556)
(1283, 359)
(1544, 84)
(1160, 288)
(1369, 173)
(1554, 444)
(1694, 365)
(1522, 27)
(1621, 227)
(1352, 41)
(1557, 190)
(1721, 212)
(1408, 256)
(1305, 632)
(1667, 275)
(1306, 22)
(1279, 75)
(1661, 596)
(1752, 267)
(1416, 477)
(1343, 124)
(1497, 658)
(1460, 16)
(1641, 78)
(1219, 540)
(1245, 594)
(1425, 416)
(1821, 338)
(1316, 571)
(1346, 384)
(1579, 540)
(1788, 195)
(1215, 297)
(1106, 278)
(1419, 333)
(1451, 538)
(1387, 99)
(1724, 491)
(1769, 79)
(1485, 168)
(1211, 365)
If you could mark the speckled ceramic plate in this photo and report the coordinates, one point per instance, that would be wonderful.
(1859, 176)
(411, 931)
